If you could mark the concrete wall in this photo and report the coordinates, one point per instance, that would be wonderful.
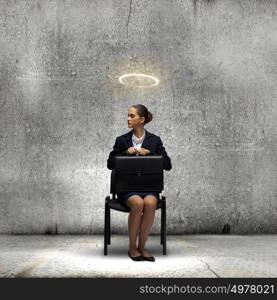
(61, 107)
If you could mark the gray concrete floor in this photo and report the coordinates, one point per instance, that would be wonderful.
(188, 256)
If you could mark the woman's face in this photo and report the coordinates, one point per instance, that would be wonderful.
(134, 120)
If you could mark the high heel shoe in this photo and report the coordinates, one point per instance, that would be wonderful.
(136, 258)
(149, 258)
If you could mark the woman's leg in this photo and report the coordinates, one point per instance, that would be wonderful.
(150, 204)
(136, 204)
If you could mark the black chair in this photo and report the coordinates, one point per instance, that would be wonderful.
(140, 174)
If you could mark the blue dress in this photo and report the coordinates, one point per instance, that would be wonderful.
(123, 197)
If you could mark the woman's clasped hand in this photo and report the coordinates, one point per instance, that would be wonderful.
(140, 151)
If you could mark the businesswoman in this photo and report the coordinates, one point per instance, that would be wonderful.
(139, 141)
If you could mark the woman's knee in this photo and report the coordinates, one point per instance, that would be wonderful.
(150, 202)
(136, 203)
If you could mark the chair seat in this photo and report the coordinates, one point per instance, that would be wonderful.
(114, 204)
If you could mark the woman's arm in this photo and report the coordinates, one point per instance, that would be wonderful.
(160, 150)
(117, 150)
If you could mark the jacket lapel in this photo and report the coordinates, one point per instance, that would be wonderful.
(128, 138)
(146, 140)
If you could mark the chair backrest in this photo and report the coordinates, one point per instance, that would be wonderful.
(137, 173)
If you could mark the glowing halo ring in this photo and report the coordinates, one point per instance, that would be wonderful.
(155, 80)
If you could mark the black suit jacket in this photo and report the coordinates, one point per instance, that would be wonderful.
(151, 142)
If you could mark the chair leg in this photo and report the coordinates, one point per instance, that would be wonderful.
(106, 229)
(109, 226)
(164, 227)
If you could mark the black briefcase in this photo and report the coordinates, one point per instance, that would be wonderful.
(138, 174)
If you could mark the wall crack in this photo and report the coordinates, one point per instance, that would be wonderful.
(130, 10)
